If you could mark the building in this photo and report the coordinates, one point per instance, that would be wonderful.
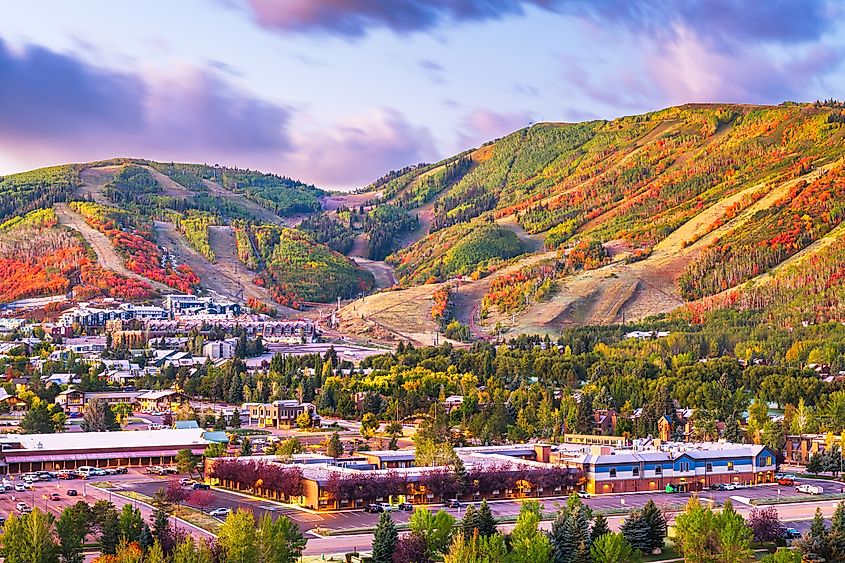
(799, 448)
(279, 414)
(21, 453)
(161, 401)
(87, 316)
(220, 349)
(608, 470)
(85, 345)
(192, 305)
(73, 401)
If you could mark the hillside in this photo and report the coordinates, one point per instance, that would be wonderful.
(554, 225)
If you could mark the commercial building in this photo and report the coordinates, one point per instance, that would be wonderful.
(73, 400)
(21, 453)
(279, 414)
(161, 401)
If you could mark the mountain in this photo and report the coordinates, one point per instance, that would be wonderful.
(691, 209)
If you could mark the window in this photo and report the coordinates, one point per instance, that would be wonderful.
(709, 466)
(683, 466)
(730, 466)
(636, 472)
(612, 473)
(658, 470)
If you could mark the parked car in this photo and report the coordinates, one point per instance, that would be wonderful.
(21, 506)
(387, 507)
(184, 481)
(729, 487)
(583, 494)
(717, 487)
(200, 486)
(786, 481)
(66, 475)
(791, 534)
(99, 472)
(120, 470)
(220, 512)
(20, 488)
(373, 508)
(72, 493)
(809, 489)
(55, 496)
(452, 503)
(2, 489)
(406, 507)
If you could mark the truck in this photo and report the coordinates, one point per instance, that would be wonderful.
(809, 489)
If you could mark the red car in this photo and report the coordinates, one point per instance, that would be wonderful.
(67, 475)
(55, 496)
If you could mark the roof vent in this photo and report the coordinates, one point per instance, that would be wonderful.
(39, 446)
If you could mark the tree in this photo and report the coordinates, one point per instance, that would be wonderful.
(411, 549)
(237, 538)
(584, 420)
(637, 532)
(384, 540)
(215, 449)
(188, 551)
(469, 523)
(613, 548)
(186, 461)
(600, 527)
(656, 525)
(694, 532)
(814, 546)
(202, 499)
(528, 543)
(39, 420)
(71, 528)
(289, 447)
(836, 536)
(235, 419)
(783, 555)
(733, 534)
(175, 493)
(435, 529)
(334, 448)
(369, 424)
(304, 421)
(765, 524)
(122, 412)
(98, 416)
(108, 523)
(477, 549)
(246, 447)
(28, 539)
(487, 525)
(279, 540)
(131, 524)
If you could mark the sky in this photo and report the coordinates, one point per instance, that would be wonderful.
(339, 92)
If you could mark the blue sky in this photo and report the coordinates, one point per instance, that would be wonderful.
(338, 92)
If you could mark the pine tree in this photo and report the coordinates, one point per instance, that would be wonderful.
(146, 538)
(109, 532)
(836, 536)
(470, 521)
(564, 537)
(636, 531)
(334, 448)
(600, 527)
(384, 540)
(246, 447)
(487, 525)
(656, 525)
(814, 546)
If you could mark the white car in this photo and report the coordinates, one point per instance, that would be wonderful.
(809, 489)
(220, 512)
(583, 494)
(21, 506)
(20, 487)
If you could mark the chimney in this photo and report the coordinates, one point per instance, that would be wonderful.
(542, 452)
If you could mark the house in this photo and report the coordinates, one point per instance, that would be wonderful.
(279, 414)
(605, 421)
(73, 400)
(161, 401)
(60, 378)
(452, 402)
(85, 344)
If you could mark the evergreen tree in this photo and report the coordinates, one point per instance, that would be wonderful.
(584, 420)
(470, 521)
(565, 537)
(487, 525)
(71, 528)
(246, 447)
(335, 447)
(109, 525)
(146, 539)
(131, 523)
(384, 539)
(814, 546)
(836, 536)
(656, 525)
(734, 536)
(600, 527)
(637, 532)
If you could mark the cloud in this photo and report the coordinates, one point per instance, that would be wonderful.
(359, 149)
(482, 125)
(61, 108)
(724, 21)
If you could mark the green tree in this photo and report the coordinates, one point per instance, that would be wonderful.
(186, 461)
(131, 523)
(733, 534)
(39, 420)
(98, 416)
(584, 421)
(477, 549)
(28, 539)
(487, 525)
(656, 525)
(289, 447)
(613, 548)
(783, 555)
(108, 523)
(369, 424)
(469, 523)
(637, 531)
(304, 421)
(279, 540)
(71, 528)
(528, 543)
(334, 448)
(246, 447)
(600, 527)
(434, 528)
(188, 551)
(215, 449)
(836, 536)
(694, 532)
(815, 546)
(237, 538)
(384, 539)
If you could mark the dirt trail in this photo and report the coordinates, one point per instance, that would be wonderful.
(257, 210)
(532, 243)
(107, 257)
(225, 277)
(170, 186)
(382, 272)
